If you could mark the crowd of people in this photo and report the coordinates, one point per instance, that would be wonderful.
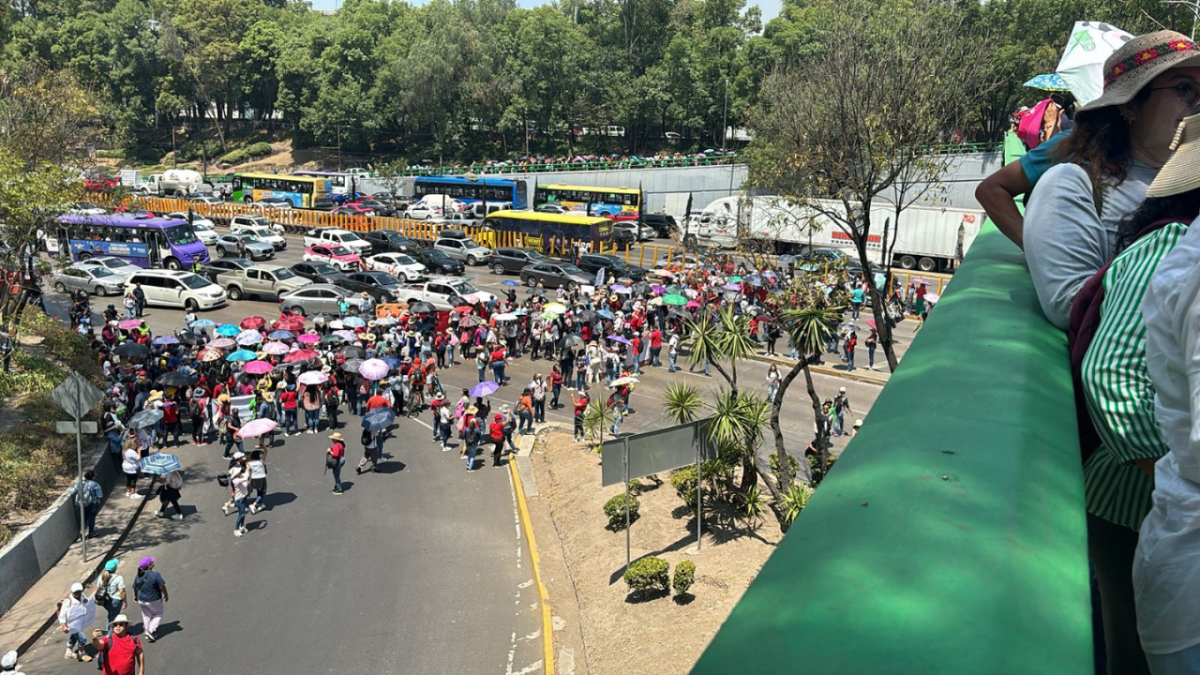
(1108, 240)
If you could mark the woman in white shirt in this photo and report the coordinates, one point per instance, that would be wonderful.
(773, 378)
(130, 463)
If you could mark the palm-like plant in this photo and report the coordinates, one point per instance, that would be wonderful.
(597, 417)
(682, 402)
(808, 329)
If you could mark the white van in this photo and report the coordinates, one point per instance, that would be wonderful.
(477, 209)
(174, 288)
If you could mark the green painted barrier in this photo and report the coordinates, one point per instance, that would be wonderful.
(950, 536)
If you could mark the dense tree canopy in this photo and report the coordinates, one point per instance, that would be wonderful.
(484, 78)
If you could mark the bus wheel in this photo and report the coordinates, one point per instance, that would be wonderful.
(927, 265)
(908, 262)
(174, 264)
(85, 256)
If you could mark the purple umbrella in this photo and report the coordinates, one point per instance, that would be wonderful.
(347, 335)
(373, 369)
(658, 289)
(484, 389)
(618, 338)
(619, 288)
(257, 368)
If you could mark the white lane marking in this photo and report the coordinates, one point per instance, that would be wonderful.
(516, 513)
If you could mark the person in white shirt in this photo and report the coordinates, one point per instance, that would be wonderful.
(673, 350)
(76, 612)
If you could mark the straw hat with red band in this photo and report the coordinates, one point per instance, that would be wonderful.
(1139, 61)
(1179, 174)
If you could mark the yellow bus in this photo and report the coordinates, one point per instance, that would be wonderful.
(300, 191)
(543, 230)
(592, 201)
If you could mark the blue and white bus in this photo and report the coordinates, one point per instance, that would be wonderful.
(144, 241)
(472, 190)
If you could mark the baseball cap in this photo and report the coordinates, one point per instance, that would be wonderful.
(239, 455)
(146, 562)
(111, 565)
(9, 660)
(76, 587)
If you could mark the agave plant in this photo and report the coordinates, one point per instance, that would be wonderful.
(794, 500)
(682, 402)
(597, 418)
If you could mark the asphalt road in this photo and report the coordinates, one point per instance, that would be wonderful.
(421, 568)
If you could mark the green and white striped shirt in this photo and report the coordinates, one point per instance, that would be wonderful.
(1117, 386)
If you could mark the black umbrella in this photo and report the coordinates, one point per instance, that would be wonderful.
(131, 349)
(351, 365)
(320, 317)
(354, 352)
(146, 418)
(587, 315)
(173, 379)
(332, 340)
(420, 308)
(187, 337)
(572, 341)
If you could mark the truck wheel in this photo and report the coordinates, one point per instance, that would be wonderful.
(234, 292)
(927, 265)
(498, 269)
(173, 264)
(907, 262)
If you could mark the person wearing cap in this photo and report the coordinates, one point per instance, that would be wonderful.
(1120, 141)
(120, 652)
(336, 459)
(580, 404)
(841, 408)
(76, 611)
(111, 594)
(496, 435)
(1136, 383)
(239, 491)
(8, 664)
(472, 436)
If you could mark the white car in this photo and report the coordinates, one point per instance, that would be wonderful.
(173, 288)
(335, 236)
(243, 221)
(397, 264)
(206, 230)
(122, 268)
(552, 208)
(86, 209)
(421, 211)
(268, 235)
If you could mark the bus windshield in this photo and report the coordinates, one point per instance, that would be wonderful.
(180, 235)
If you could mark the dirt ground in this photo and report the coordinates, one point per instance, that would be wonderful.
(660, 636)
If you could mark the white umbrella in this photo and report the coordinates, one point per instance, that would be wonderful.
(932, 298)
(1082, 62)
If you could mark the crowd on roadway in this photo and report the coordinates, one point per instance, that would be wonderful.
(1108, 240)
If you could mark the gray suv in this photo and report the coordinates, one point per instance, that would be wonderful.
(256, 249)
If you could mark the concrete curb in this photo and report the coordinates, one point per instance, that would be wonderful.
(543, 595)
(867, 376)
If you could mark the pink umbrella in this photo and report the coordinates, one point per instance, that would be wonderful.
(129, 324)
(373, 369)
(692, 304)
(871, 323)
(300, 355)
(309, 338)
(276, 348)
(222, 343)
(312, 377)
(257, 368)
(256, 428)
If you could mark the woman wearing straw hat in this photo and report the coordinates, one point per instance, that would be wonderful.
(1166, 574)
(1119, 142)
(1116, 383)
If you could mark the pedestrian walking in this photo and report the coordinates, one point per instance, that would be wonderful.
(290, 401)
(841, 409)
(111, 594)
(335, 458)
(773, 379)
(233, 427)
(169, 494)
(525, 412)
(580, 403)
(76, 611)
(130, 464)
(90, 496)
(472, 436)
(370, 442)
(496, 434)
(120, 653)
(8, 664)
(872, 343)
(150, 591)
(258, 479)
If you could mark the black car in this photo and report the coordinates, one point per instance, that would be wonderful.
(623, 237)
(662, 224)
(508, 259)
(217, 267)
(554, 275)
(324, 204)
(437, 262)
(390, 241)
(319, 272)
(615, 266)
(380, 208)
(379, 285)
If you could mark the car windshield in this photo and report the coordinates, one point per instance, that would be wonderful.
(341, 292)
(283, 273)
(341, 250)
(617, 262)
(464, 288)
(325, 268)
(571, 269)
(101, 272)
(180, 235)
(436, 255)
(250, 239)
(385, 279)
(114, 264)
(405, 260)
(536, 255)
(194, 281)
(472, 244)
(350, 236)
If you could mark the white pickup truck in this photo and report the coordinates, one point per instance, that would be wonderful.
(444, 293)
(336, 236)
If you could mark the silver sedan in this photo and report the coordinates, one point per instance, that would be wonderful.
(92, 279)
(319, 298)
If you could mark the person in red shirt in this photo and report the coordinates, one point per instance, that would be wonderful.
(655, 338)
(581, 403)
(377, 400)
(336, 460)
(289, 399)
(170, 411)
(121, 652)
(496, 433)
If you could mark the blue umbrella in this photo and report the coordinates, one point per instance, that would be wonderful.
(202, 323)
(353, 322)
(1048, 82)
(618, 338)
(282, 335)
(227, 330)
(160, 463)
(484, 389)
(378, 419)
(392, 361)
(605, 313)
(241, 355)
(510, 282)
(166, 340)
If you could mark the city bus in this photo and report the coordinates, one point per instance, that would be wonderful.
(339, 182)
(301, 191)
(594, 201)
(540, 229)
(143, 240)
(472, 190)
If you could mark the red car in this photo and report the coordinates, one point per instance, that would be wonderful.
(339, 256)
(354, 209)
(624, 216)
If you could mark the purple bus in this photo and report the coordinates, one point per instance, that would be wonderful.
(143, 240)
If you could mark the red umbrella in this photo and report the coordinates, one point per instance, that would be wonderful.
(464, 308)
(292, 323)
(300, 355)
(253, 323)
(871, 323)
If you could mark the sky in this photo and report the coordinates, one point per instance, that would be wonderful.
(770, 8)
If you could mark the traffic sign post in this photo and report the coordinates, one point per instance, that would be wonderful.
(76, 396)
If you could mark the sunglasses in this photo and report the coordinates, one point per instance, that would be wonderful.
(120, 624)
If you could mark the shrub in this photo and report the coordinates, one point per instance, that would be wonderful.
(32, 482)
(684, 482)
(234, 157)
(794, 501)
(635, 487)
(195, 151)
(793, 467)
(615, 510)
(260, 149)
(649, 573)
(685, 574)
(110, 154)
